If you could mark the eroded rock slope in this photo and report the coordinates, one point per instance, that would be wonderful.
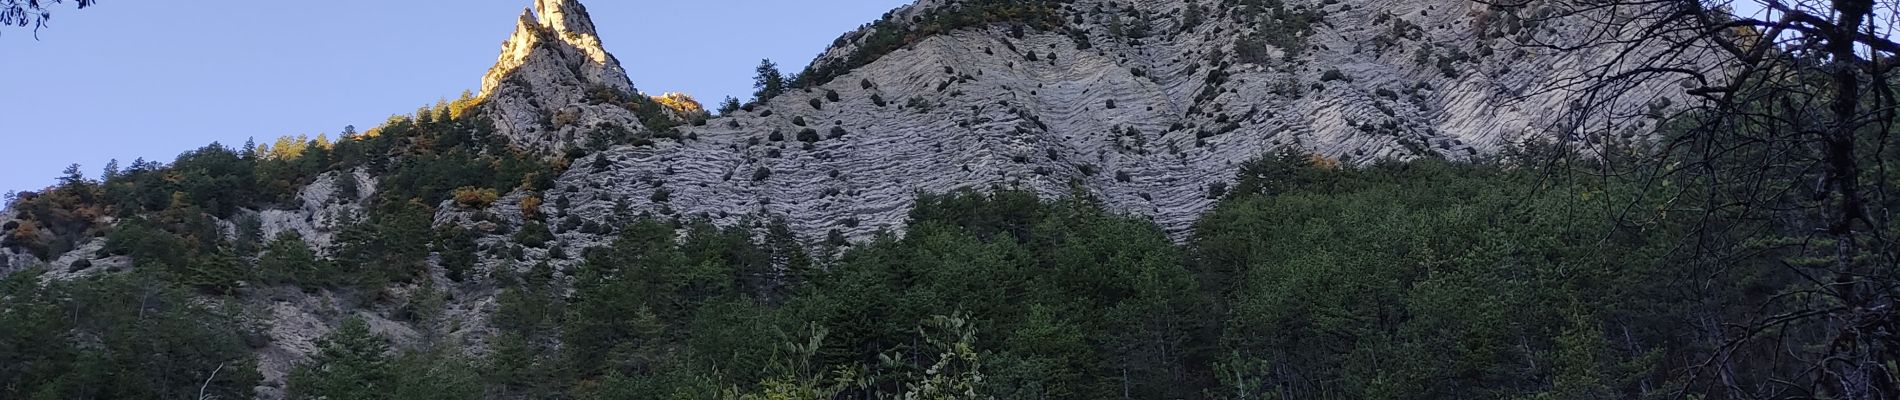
(1152, 122)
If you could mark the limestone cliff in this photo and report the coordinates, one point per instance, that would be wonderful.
(538, 92)
(1149, 105)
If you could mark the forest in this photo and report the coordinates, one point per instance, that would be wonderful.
(1431, 279)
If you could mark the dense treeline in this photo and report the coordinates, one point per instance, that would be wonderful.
(1525, 277)
(1420, 280)
(119, 337)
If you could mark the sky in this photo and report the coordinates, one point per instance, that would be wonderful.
(152, 79)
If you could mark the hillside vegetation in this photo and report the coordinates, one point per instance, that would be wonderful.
(1310, 280)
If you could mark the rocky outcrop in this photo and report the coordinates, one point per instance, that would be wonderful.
(553, 82)
(320, 210)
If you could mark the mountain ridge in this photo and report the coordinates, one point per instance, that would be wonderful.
(1152, 122)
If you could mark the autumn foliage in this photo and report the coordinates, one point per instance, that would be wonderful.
(474, 197)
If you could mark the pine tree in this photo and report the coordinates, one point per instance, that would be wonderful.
(729, 106)
(352, 363)
(250, 149)
(71, 176)
(111, 172)
(288, 260)
(769, 82)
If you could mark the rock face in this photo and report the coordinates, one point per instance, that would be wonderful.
(537, 92)
(1151, 124)
(320, 211)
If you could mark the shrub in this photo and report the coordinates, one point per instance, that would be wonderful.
(817, 105)
(531, 207)
(761, 174)
(288, 260)
(837, 132)
(533, 234)
(808, 135)
(728, 106)
(798, 120)
(474, 197)
(836, 238)
(831, 95)
(680, 103)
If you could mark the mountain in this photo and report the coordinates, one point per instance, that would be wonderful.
(546, 68)
(1149, 107)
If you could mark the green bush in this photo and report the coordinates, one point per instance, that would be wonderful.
(533, 234)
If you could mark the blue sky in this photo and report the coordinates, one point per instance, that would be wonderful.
(131, 79)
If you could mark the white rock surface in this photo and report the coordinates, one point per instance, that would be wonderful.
(996, 119)
(536, 92)
(320, 212)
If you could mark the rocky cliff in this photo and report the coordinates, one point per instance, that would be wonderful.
(1149, 105)
(538, 89)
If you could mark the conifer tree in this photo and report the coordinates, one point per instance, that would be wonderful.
(769, 82)
(352, 363)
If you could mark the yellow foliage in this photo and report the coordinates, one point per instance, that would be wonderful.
(564, 118)
(180, 201)
(680, 103)
(1323, 162)
(473, 197)
(531, 207)
(1747, 37)
(461, 105)
(28, 230)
